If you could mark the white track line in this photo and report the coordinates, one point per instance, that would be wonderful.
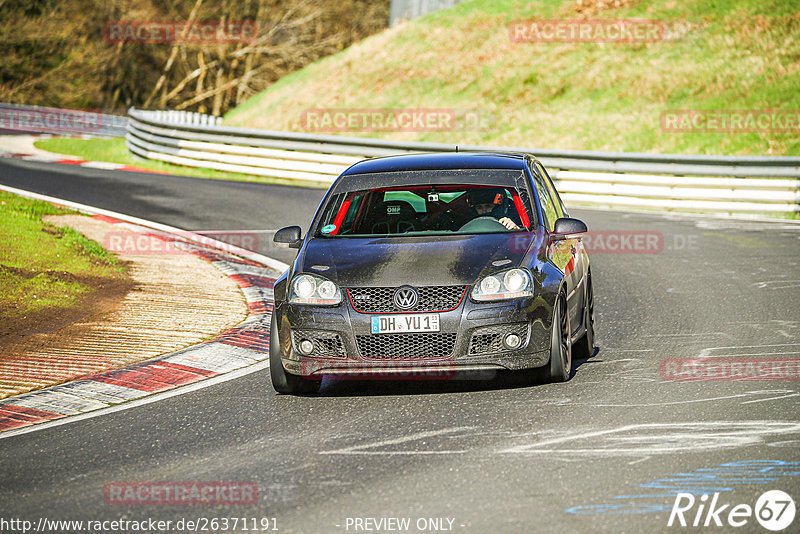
(139, 402)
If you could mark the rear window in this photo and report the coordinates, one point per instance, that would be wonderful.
(440, 209)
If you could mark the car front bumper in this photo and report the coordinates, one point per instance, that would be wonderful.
(469, 341)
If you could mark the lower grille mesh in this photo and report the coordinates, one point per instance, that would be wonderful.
(399, 346)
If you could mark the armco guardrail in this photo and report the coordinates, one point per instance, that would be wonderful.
(733, 184)
(38, 119)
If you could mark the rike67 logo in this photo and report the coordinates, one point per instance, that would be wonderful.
(774, 510)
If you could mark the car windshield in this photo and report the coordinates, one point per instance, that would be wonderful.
(440, 209)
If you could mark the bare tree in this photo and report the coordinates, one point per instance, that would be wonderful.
(216, 77)
(56, 53)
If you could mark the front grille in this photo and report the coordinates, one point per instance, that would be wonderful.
(399, 346)
(380, 299)
(489, 339)
(326, 344)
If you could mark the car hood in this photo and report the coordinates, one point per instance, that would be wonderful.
(417, 261)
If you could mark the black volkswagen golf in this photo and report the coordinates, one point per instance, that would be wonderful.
(430, 266)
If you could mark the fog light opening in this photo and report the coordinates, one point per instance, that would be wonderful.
(512, 341)
(305, 347)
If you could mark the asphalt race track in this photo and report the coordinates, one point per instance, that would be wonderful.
(607, 451)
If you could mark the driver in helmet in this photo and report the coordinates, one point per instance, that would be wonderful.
(490, 202)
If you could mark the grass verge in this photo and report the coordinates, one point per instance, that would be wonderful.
(113, 150)
(42, 266)
(725, 55)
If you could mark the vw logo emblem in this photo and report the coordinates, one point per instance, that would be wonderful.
(406, 298)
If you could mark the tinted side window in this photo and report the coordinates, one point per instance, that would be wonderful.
(562, 212)
(548, 208)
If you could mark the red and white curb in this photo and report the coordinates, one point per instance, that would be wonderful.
(22, 147)
(65, 160)
(234, 350)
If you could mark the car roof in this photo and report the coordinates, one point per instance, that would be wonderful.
(439, 161)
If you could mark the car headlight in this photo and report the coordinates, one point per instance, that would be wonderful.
(511, 284)
(309, 289)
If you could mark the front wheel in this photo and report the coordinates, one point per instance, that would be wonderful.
(282, 381)
(560, 366)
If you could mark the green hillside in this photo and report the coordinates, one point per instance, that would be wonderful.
(722, 55)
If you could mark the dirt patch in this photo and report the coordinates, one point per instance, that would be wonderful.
(104, 295)
(52, 230)
(171, 301)
(590, 8)
(62, 276)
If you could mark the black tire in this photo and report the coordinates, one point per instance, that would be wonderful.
(560, 367)
(584, 348)
(282, 381)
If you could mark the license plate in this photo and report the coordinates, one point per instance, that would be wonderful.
(398, 324)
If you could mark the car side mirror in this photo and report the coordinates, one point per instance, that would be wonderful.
(288, 237)
(568, 228)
